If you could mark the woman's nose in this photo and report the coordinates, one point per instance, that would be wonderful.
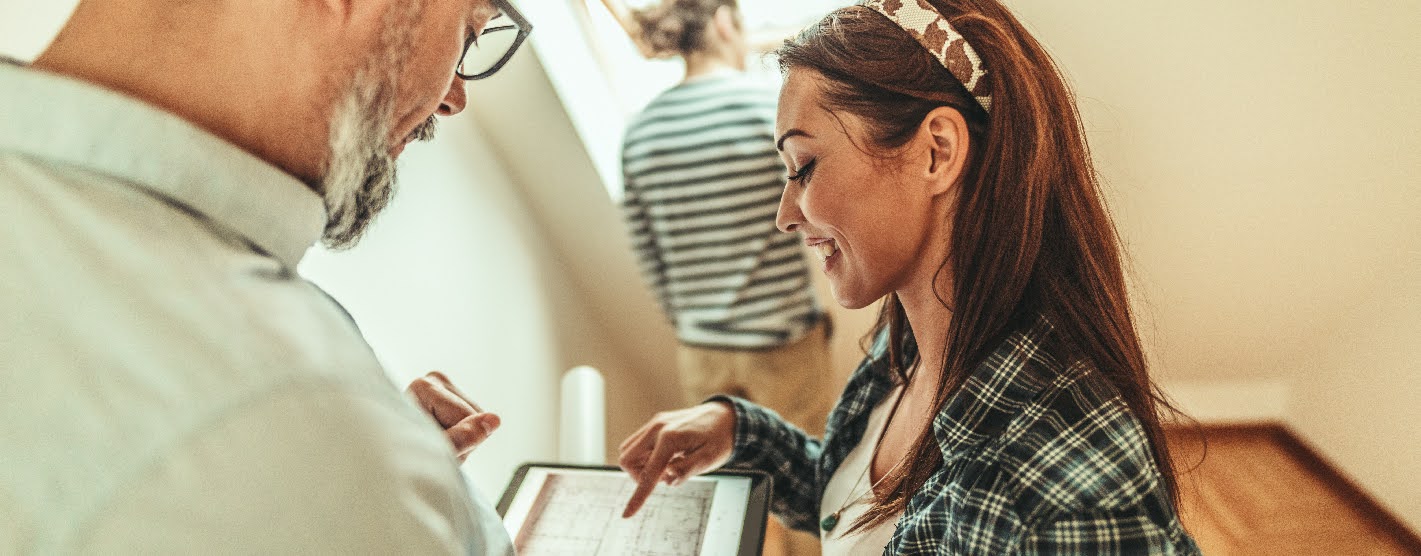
(789, 217)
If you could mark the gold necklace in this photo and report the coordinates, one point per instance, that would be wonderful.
(832, 520)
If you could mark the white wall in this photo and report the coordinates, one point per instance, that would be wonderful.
(27, 26)
(529, 127)
(450, 277)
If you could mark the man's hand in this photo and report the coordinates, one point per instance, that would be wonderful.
(465, 423)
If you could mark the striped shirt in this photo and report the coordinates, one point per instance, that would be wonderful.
(703, 182)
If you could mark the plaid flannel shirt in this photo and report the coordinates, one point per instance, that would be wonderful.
(1038, 458)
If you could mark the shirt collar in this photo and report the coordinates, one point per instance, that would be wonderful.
(70, 122)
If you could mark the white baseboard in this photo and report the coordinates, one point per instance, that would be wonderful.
(1242, 401)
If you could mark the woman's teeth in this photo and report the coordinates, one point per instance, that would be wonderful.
(826, 250)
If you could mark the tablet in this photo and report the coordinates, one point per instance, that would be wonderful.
(552, 509)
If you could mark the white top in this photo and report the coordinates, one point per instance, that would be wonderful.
(168, 383)
(850, 485)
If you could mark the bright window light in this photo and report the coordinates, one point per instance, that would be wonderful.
(603, 84)
(637, 80)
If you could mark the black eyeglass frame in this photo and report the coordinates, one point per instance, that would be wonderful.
(519, 23)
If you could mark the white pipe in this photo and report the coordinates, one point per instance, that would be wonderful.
(583, 431)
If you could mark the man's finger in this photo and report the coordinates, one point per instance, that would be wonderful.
(449, 385)
(469, 433)
(446, 408)
(436, 375)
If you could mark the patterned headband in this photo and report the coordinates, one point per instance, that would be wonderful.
(932, 30)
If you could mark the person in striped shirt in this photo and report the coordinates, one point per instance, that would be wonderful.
(702, 184)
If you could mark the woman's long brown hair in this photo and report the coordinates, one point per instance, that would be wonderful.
(1030, 234)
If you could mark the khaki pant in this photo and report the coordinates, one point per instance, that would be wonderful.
(795, 380)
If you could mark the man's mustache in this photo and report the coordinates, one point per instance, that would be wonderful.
(424, 131)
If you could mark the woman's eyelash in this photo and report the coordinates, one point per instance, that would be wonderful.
(804, 171)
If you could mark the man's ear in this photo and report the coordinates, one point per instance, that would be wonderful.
(943, 134)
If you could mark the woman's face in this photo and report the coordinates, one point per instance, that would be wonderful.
(871, 219)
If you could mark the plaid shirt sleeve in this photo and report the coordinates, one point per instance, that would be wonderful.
(764, 441)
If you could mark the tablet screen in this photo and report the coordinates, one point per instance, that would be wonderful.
(559, 511)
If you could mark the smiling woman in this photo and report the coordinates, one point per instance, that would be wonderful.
(972, 143)
(938, 163)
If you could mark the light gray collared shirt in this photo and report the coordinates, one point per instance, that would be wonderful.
(168, 383)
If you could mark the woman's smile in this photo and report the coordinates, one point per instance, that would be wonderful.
(826, 249)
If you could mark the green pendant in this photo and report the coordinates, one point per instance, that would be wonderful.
(829, 522)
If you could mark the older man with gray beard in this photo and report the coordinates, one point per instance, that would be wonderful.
(168, 383)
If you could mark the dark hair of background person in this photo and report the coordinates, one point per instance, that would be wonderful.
(1030, 234)
(678, 27)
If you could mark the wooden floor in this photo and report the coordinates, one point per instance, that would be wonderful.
(1260, 491)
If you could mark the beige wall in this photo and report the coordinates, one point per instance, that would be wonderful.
(1264, 158)
(1358, 396)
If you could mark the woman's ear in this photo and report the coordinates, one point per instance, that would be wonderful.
(944, 136)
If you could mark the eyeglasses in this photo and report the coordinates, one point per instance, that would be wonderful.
(487, 52)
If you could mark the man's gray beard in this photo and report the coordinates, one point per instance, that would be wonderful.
(360, 177)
